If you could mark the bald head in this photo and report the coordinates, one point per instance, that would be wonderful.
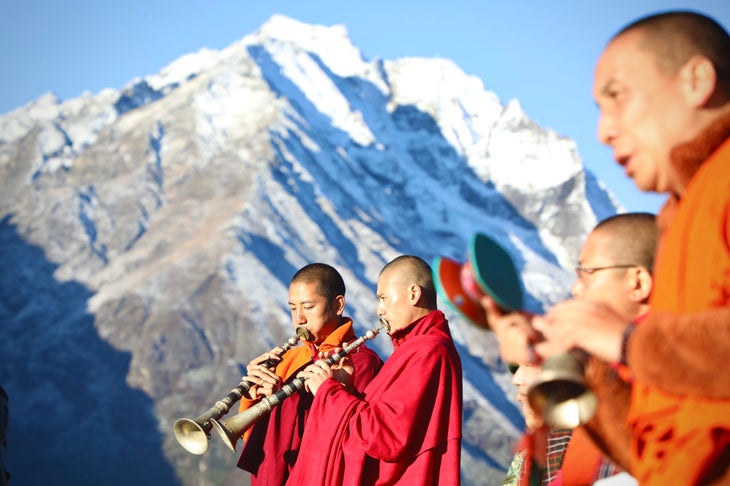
(677, 36)
(328, 280)
(633, 238)
(412, 269)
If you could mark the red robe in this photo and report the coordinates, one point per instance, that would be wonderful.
(273, 445)
(407, 428)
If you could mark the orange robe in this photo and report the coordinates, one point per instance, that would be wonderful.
(680, 408)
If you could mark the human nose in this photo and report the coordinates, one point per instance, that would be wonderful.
(577, 289)
(607, 128)
(299, 317)
(517, 378)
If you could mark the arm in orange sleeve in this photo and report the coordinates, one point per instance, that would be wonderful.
(682, 353)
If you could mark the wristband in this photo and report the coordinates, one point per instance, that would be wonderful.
(625, 336)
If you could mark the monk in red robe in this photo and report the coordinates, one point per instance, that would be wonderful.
(317, 302)
(405, 427)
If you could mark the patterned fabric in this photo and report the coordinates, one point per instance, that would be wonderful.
(570, 461)
(606, 469)
(558, 440)
(524, 471)
(515, 470)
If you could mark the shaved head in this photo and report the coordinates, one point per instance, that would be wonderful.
(675, 37)
(633, 238)
(414, 270)
(329, 281)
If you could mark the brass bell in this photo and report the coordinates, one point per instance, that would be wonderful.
(560, 394)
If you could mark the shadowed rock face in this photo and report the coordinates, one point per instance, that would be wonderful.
(148, 236)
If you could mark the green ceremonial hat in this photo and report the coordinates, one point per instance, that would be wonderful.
(489, 269)
(494, 271)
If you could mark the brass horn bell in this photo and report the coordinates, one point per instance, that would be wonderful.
(560, 394)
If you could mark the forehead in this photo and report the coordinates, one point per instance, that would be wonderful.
(625, 60)
(387, 280)
(304, 291)
(595, 248)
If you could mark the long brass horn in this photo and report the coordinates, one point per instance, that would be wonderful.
(193, 434)
(230, 430)
(560, 394)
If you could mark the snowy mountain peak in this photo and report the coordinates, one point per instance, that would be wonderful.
(332, 45)
(16, 123)
(184, 68)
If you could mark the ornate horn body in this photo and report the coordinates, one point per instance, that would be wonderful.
(193, 434)
(230, 430)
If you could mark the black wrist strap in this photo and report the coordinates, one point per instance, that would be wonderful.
(628, 331)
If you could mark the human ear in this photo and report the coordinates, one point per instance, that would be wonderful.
(699, 81)
(642, 283)
(340, 304)
(414, 292)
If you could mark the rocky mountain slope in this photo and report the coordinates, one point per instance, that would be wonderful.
(148, 236)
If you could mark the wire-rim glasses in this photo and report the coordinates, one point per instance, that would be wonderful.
(580, 271)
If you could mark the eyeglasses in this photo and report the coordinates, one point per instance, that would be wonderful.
(581, 271)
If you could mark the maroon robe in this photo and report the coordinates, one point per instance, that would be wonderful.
(272, 448)
(406, 430)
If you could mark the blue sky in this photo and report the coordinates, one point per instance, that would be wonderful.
(540, 52)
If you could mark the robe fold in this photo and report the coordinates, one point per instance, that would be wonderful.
(405, 429)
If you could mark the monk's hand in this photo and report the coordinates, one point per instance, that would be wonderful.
(264, 381)
(314, 375)
(581, 324)
(516, 336)
(343, 370)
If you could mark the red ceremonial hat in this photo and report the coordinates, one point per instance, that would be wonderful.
(488, 269)
(447, 278)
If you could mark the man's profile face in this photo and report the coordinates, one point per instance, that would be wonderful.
(642, 115)
(311, 310)
(525, 376)
(608, 285)
(393, 303)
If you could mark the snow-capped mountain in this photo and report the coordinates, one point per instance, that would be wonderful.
(148, 236)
